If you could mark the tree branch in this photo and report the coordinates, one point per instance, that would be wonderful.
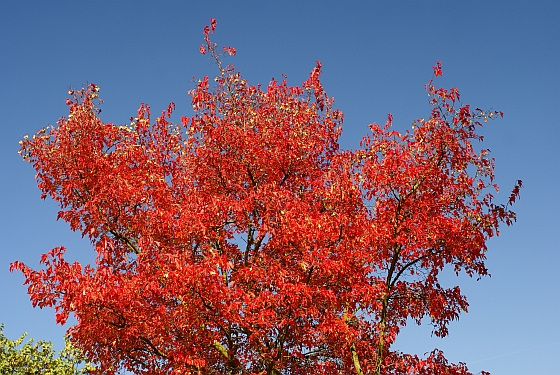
(356, 360)
(126, 241)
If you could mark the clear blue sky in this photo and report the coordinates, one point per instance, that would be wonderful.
(376, 56)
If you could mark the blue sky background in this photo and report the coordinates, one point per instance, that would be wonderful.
(377, 56)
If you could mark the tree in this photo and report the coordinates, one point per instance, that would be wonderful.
(245, 241)
(39, 358)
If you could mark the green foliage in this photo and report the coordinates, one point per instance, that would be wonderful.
(38, 357)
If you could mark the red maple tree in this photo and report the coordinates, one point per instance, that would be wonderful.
(245, 241)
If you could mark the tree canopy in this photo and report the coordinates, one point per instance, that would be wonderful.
(20, 357)
(244, 240)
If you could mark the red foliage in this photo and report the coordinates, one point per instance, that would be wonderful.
(243, 240)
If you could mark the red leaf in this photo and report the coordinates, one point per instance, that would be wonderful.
(437, 69)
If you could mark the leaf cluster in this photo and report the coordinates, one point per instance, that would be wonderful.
(26, 357)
